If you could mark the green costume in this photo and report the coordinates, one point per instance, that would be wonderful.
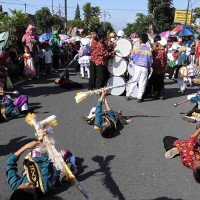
(55, 42)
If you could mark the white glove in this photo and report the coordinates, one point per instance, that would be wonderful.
(191, 95)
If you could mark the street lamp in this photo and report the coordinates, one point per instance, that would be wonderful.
(105, 13)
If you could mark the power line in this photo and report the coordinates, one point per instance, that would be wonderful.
(113, 9)
(195, 2)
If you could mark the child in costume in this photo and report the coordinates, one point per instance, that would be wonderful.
(33, 185)
(84, 57)
(190, 68)
(29, 69)
(12, 108)
(181, 62)
(194, 114)
(105, 121)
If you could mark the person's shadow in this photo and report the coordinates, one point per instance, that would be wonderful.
(14, 145)
(104, 171)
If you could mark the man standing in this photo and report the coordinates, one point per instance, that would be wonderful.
(142, 60)
(159, 68)
(99, 60)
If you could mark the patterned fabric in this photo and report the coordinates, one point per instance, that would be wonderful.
(100, 53)
(159, 60)
(196, 71)
(99, 119)
(189, 154)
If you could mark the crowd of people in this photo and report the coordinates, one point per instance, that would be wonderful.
(154, 60)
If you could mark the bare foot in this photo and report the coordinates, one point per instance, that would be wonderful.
(128, 121)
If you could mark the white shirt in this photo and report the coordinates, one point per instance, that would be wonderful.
(48, 56)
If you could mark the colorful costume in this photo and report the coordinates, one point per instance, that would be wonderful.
(189, 149)
(29, 68)
(55, 44)
(10, 108)
(142, 60)
(98, 65)
(101, 117)
(84, 57)
(30, 39)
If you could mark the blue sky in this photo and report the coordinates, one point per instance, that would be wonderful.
(121, 11)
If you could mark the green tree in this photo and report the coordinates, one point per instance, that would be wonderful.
(44, 19)
(16, 25)
(162, 12)
(196, 14)
(107, 27)
(58, 22)
(94, 23)
(141, 24)
(77, 13)
(90, 13)
(18, 20)
(75, 23)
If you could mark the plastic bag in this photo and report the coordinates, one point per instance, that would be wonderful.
(9, 84)
(183, 72)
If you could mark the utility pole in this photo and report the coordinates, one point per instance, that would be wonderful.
(104, 16)
(66, 16)
(25, 7)
(52, 13)
(187, 13)
(52, 7)
(59, 11)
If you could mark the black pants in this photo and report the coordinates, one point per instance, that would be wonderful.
(156, 85)
(98, 76)
(101, 76)
(168, 142)
(92, 79)
(195, 109)
(56, 61)
(170, 71)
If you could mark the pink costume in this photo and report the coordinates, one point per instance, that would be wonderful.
(31, 39)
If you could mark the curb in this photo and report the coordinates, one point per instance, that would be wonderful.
(17, 83)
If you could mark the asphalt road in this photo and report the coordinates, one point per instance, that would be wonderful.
(130, 166)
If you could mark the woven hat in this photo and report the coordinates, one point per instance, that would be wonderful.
(112, 35)
(182, 49)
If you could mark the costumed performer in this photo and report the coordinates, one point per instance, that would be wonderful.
(189, 151)
(11, 108)
(106, 121)
(30, 39)
(55, 43)
(33, 185)
(194, 114)
(84, 57)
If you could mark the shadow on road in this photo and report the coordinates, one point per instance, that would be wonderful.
(165, 198)
(14, 145)
(104, 171)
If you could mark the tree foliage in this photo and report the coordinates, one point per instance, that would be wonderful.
(141, 24)
(90, 14)
(44, 19)
(160, 16)
(18, 19)
(162, 13)
(77, 13)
